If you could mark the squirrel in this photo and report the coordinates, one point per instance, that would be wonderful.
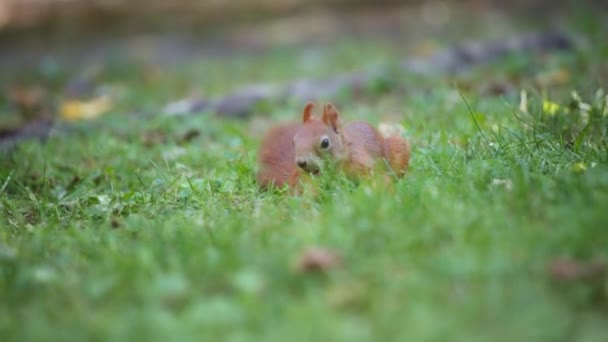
(288, 150)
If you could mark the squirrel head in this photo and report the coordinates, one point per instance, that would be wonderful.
(318, 139)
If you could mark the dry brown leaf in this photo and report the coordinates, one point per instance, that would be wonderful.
(26, 97)
(573, 270)
(317, 259)
(30, 101)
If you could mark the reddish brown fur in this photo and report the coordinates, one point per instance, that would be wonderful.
(358, 145)
(364, 146)
(276, 157)
(398, 154)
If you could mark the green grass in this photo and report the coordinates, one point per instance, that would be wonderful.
(109, 235)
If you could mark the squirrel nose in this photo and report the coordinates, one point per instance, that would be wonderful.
(302, 163)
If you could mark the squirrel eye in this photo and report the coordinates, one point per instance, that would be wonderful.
(325, 143)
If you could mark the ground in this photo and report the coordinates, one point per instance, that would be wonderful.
(143, 225)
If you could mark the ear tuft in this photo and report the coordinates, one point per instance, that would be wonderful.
(330, 117)
(307, 114)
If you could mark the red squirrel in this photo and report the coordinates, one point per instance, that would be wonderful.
(290, 149)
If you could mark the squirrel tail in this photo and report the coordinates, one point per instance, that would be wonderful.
(398, 154)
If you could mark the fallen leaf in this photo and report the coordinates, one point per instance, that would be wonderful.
(573, 270)
(316, 259)
(78, 110)
(27, 99)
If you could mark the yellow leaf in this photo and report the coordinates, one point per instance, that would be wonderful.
(550, 107)
(78, 110)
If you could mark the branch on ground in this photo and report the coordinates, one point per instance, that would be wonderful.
(242, 102)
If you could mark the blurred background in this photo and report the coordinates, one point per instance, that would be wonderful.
(54, 51)
(19, 14)
(32, 13)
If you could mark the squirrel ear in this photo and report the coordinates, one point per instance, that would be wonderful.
(330, 116)
(307, 114)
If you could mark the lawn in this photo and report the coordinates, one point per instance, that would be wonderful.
(147, 226)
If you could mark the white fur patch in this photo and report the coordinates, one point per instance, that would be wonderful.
(391, 129)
